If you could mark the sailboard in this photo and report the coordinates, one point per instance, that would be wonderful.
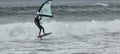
(44, 35)
(45, 10)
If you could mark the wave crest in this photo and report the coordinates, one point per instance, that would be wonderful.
(102, 4)
(21, 31)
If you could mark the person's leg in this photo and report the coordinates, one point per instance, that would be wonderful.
(37, 24)
(39, 29)
(39, 32)
(42, 29)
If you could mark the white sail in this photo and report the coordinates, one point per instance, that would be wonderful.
(45, 9)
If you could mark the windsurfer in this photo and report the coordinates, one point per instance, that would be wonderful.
(43, 12)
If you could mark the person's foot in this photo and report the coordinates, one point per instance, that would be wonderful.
(40, 37)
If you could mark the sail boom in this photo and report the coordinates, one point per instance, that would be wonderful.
(45, 15)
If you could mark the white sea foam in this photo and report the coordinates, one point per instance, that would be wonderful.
(21, 31)
(102, 4)
(88, 37)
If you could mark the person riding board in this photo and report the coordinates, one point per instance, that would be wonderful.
(38, 24)
(43, 11)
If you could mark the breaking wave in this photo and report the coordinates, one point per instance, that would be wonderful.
(102, 4)
(29, 31)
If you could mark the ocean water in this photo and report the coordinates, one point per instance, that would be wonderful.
(78, 27)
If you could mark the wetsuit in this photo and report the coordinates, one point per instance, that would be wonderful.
(37, 22)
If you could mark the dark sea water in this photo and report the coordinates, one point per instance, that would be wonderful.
(78, 27)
